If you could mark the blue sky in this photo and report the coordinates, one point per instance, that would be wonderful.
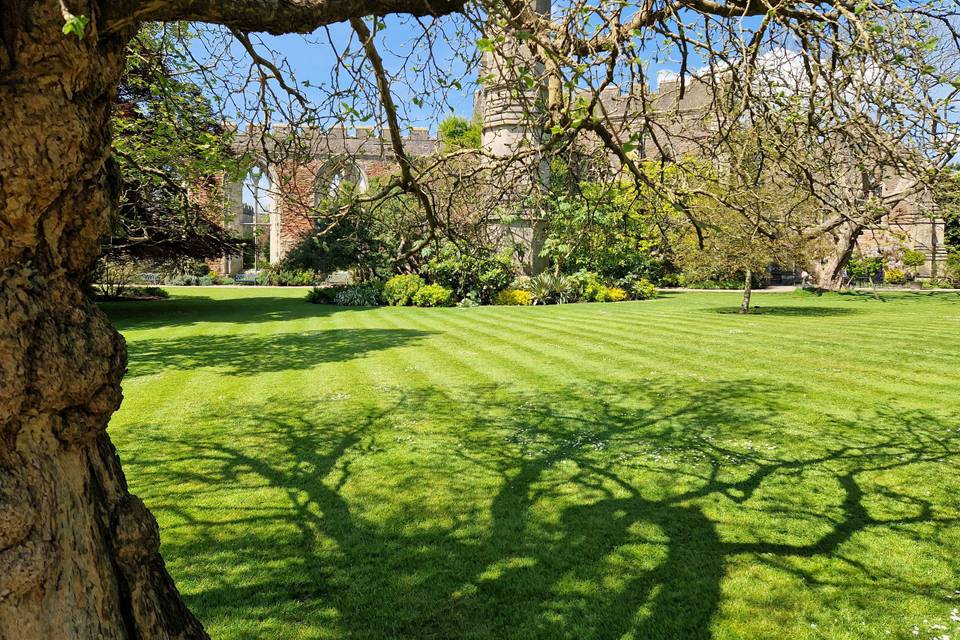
(312, 61)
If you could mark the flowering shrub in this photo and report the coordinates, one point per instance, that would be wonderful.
(513, 297)
(611, 294)
(433, 295)
(894, 276)
(520, 282)
(399, 290)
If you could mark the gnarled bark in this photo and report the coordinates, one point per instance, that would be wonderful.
(78, 554)
(272, 16)
(828, 273)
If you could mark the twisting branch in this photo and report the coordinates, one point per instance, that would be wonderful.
(407, 180)
(263, 63)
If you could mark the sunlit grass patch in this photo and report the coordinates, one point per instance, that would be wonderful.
(639, 470)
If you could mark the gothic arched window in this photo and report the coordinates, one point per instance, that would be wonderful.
(337, 179)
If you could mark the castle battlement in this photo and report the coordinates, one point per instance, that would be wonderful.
(361, 138)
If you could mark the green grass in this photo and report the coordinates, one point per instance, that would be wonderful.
(663, 469)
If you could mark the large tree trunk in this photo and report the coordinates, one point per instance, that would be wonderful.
(78, 554)
(828, 273)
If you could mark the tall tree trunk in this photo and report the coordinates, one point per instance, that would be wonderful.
(828, 274)
(78, 553)
(747, 289)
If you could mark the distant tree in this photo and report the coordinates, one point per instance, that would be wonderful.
(947, 198)
(617, 229)
(170, 149)
(459, 133)
(742, 218)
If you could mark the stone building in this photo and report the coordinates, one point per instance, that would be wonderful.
(915, 223)
(674, 125)
(291, 174)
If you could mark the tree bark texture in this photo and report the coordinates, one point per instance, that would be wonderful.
(828, 274)
(78, 553)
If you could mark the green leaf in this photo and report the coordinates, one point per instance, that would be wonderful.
(76, 25)
(556, 130)
(485, 45)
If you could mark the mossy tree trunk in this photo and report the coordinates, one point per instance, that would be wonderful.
(78, 553)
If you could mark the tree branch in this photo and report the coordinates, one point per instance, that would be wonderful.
(271, 16)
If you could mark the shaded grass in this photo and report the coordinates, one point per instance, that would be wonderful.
(638, 470)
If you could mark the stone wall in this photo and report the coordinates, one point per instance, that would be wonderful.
(676, 125)
(300, 166)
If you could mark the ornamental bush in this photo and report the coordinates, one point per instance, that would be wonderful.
(643, 289)
(895, 276)
(864, 268)
(513, 298)
(913, 258)
(611, 294)
(323, 295)
(433, 295)
(399, 290)
(478, 276)
(586, 285)
(359, 295)
(952, 270)
(286, 278)
(146, 292)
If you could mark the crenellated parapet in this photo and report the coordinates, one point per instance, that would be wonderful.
(282, 143)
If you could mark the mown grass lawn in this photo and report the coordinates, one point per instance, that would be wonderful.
(661, 469)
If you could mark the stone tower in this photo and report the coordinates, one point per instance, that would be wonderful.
(511, 102)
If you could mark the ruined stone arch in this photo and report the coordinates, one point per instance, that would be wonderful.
(257, 213)
(299, 183)
(333, 176)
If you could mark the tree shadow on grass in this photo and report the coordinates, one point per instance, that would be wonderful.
(785, 311)
(188, 310)
(244, 355)
(595, 523)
